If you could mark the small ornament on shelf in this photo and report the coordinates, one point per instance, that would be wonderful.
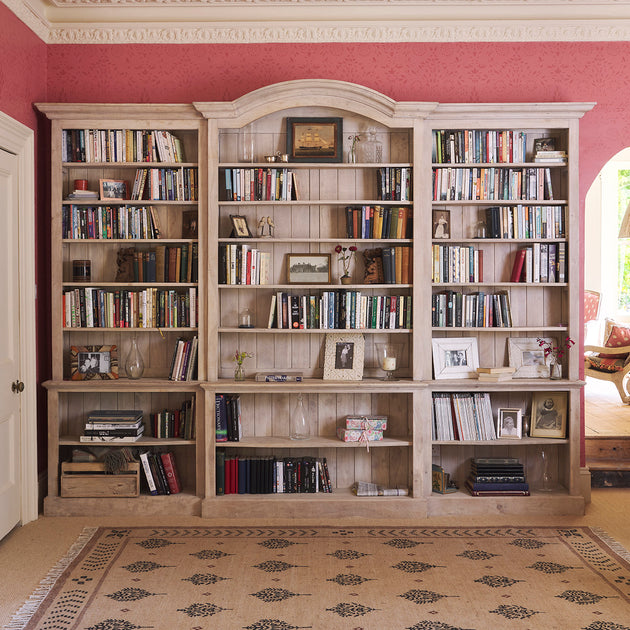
(346, 254)
(352, 154)
(371, 151)
(555, 354)
(239, 358)
(134, 364)
(299, 421)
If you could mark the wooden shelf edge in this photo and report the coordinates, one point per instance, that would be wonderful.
(314, 442)
(123, 384)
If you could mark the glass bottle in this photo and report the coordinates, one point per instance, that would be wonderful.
(134, 364)
(371, 151)
(299, 429)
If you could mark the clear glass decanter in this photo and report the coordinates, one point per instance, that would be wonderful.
(134, 364)
(299, 429)
(371, 151)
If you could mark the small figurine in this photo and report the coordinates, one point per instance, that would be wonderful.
(271, 225)
(261, 226)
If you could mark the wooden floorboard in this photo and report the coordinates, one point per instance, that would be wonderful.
(604, 413)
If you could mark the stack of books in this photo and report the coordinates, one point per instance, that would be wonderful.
(497, 476)
(113, 425)
(551, 157)
(160, 472)
(495, 374)
(83, 195)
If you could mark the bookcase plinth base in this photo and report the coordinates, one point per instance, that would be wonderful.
(296, 507)
(182, 504)
(460, 503)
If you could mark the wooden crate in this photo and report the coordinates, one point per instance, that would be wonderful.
(88, 479)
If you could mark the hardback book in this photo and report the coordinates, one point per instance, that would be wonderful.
(279, 377)
(496, 493)
(221, 420)
(517, 268)
(114, 432)
(496, 370)
(113, 425)
(102, 438)
(148, 474)
(220, 472)
(170, 469)
(114, 415)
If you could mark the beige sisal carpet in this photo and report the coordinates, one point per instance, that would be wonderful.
(354, 578)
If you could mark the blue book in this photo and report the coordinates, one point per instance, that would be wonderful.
(221, 428)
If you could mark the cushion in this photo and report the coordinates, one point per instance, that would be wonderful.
(603, 364)
(616, 335)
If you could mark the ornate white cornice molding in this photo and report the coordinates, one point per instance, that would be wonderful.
(300, 21)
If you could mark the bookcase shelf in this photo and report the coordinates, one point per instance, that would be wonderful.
(315, 223)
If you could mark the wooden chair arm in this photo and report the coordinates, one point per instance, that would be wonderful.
(607, 350)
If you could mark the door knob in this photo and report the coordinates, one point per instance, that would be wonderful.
(17, 387)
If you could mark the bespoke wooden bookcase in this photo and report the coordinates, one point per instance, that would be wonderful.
(70, 400)
(315, 222)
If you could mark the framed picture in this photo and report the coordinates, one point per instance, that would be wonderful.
(240, 227)
(113, 189)
(315, 139)
(88, 362)
(190, 224)
(544, 144)
(549, 415)
(343, 360)
(308, 268)
(509, 424)
(528, 357)
(441, 224)
(456, 357)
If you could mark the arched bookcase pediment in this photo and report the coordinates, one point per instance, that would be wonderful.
(342, 95)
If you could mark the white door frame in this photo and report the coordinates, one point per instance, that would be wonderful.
(19, 139)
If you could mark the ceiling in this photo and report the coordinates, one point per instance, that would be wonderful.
(302, 21)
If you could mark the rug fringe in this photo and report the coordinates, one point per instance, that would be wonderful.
(610, 542)
(23, 616)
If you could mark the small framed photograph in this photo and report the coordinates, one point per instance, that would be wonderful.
(549, 415)
(343, 360)
(240, 227)
(92, 362)
(308, 268)
(190, 224)
(544, 144)
(113, 189)
(315, 139)
(441, 224)
(509, 424)
(456, 357)
(526, 355)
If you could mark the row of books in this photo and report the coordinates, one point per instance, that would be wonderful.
(113, 425)
(393, 183)
(457, 263)
(259, 184)
(540, 262)
(166, 263)
(497, 476)
(378, 222)
(227, 414)
(492, 183)
(175, 423)
(166, 184)
(478, 146)
(184, 360)
(243, 264)
(471, 310)
(109, 222)
(160, 472)
(90, 307)
(271, 475)
(462, 416)
(120, 145)
(525, 222)
(340, 310)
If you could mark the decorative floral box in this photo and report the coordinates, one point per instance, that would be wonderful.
(354, 435)
(378, 423)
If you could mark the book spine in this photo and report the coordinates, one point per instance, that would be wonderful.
(170, 469)
(144, 458)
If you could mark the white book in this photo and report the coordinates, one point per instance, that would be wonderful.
(536, 263)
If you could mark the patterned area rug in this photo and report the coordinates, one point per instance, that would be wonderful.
(357, 578)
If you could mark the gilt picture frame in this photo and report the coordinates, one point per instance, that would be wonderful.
(315, 139)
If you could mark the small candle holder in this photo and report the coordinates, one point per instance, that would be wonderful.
(388, 359)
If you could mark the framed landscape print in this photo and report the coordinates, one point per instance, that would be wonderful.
(315, 139)
(308, 268)
(526, 355)
(113, 189)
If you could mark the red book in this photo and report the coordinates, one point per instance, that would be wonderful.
(517, 269)
(168, 461)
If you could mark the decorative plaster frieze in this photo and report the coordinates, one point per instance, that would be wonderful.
(446, 3)
(608, 30)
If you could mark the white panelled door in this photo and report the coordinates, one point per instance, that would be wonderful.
(10, 495)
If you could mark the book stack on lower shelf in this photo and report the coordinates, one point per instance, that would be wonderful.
(497, 476)
(160, 472)
(113, 425)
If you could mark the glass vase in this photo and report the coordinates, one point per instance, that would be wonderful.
(299, 429)
(239, 373)
(371, 150)
(388, 359)
(134, 364)
(555, 370)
